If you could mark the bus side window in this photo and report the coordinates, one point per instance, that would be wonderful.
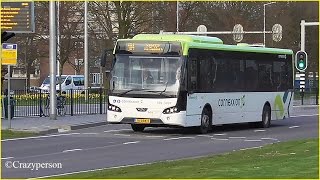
(192, 66)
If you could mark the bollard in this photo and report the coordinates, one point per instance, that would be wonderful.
(40, 104)
(317, 95)
(100, 99)
(302, 95)
(71, 102)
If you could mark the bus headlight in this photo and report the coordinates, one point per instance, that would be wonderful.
(171, 110)
(114, 108)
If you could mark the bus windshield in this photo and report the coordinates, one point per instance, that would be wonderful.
(145, 74)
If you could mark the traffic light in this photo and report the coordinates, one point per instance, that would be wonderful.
(301, 61)
(5, 36)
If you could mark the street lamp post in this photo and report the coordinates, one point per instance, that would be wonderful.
(264, 21)
(177, 16)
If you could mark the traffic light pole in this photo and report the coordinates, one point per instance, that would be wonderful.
(303, 24)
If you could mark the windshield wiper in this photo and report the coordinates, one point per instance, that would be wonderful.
(164, 89)
(125, 92)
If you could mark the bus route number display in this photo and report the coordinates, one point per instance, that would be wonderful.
(146, 47)
(149, 47)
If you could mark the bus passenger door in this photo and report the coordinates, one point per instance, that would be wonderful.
(193, 98)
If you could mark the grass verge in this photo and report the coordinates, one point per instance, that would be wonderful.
(8, 134)
(295, 159)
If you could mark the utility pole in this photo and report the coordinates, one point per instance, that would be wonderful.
(86, 64)
(53, 59)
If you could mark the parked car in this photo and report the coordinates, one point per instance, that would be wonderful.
(68, 82)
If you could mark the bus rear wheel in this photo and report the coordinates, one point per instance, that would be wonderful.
(205, 122)
(266, 117)
(137, 127)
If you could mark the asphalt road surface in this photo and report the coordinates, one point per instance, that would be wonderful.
(117, 145)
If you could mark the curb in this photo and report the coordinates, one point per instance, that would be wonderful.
(64, 128)
(40, 132)
(307, 106)
(82, 126)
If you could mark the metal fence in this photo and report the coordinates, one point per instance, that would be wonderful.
(28, 104)
(308, 96)
(35, 103)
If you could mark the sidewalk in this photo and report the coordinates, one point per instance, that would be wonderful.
(43, 125)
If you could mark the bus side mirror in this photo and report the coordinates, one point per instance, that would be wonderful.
(105, 56)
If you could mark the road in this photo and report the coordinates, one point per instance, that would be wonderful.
(117, 145)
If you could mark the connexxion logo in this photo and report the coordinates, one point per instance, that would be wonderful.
(232, 101)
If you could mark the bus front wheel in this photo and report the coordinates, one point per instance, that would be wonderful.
(266, 117)
(205, 122)
(137, 127)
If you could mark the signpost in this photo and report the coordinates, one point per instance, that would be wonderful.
(17, 17)
(9, 56)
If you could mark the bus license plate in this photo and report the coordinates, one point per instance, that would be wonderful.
(142, 121)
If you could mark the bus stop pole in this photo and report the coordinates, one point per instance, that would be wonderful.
(8, 96)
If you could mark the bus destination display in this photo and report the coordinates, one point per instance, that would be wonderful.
(17, 17)
(150, 47)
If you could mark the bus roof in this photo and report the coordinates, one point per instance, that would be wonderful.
(206, 42)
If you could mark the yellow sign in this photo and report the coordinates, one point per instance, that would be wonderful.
(9, 54)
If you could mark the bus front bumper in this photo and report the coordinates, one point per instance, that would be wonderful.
(174, 119)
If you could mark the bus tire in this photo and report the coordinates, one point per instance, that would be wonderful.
(266, 117)
(137, 127)
(206, 122)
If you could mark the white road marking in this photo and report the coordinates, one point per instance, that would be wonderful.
(37, 137)
(237, 137)
(115, 130)
(253, 140)
(293, 127)
(71, 150)
(133, 142)
(155, 136)
(306, 106)
(250, 148)
(168, 139)
(121, 134)
(220, 139)
(269, 139)
(219, 134)
(89, 133)
(75, 172)
(306, 115)
(205, 136)
(259, 130)
(6, 158)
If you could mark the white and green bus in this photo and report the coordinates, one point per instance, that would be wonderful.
(197, 81)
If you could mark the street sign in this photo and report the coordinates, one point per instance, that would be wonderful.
(9, 54)
(237, 33)
(277, 32)
(17, 17)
